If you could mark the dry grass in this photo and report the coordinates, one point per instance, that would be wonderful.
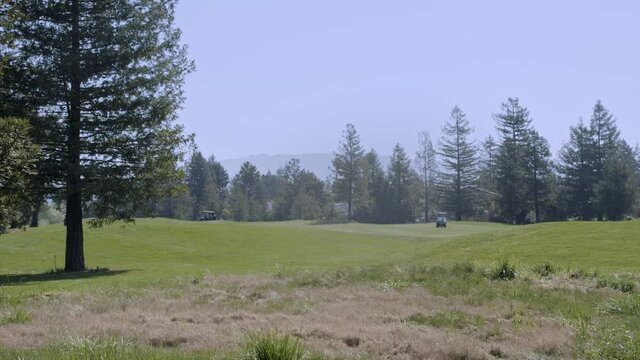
(342, 321)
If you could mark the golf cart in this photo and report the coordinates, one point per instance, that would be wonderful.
(208, 216)
(441, 220)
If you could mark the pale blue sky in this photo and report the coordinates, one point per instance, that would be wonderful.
(284, 77)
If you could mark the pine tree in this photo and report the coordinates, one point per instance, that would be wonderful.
(426, 164)
(101, 82)
(459, 164)
(616, 190)
(371, 199)
(246, 201)
(577, 172)
(400, 179)
(346, 167)
(221, 180)
(513, 125)
(201, 183)
(540, 171)
(605, 141)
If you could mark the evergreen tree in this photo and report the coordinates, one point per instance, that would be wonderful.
(616, 190)
(346, 167)
(400, 178)
(513, 125)
(201, 184)
(246, 202)
(487, 186)
(605, 141)
(577, 172)
(101, 82)
(221, 180)
(540, 172)
(371, 197)
(459, 164)
(426, 163)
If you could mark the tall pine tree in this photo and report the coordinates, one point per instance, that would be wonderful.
(426, 163)
(346, 167)
(101, 82)
(459, 164)
(513, 125)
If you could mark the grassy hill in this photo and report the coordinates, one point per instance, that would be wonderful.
(156, 250)
(161, 297)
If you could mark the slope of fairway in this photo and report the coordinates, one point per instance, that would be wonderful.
(160, 249)
(606, 246)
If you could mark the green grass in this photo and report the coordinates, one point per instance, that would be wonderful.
(158, 251)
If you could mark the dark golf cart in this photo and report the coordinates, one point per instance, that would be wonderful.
(441, 220)
(208, 216)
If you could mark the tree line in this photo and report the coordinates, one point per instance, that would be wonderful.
(89, 93)
(511, 178)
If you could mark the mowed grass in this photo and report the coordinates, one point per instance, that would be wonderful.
(153, 250)
(603, 246)
(156, 251)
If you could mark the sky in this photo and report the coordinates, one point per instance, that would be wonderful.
(286, 76)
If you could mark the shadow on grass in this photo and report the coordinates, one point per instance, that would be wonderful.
(23, 279)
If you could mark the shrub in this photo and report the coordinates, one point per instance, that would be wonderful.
(271, 346)
(505, 271)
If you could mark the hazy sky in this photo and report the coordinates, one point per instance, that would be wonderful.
(284, 77)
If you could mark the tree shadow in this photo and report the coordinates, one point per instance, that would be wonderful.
(55, 275)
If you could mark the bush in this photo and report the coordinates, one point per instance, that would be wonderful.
(505, 271)
(271, 346)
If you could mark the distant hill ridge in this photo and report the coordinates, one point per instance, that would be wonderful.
(318, 163)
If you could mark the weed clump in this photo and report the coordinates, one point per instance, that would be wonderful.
(18, 317)
(545, 269)
(271, 346)
(622, 283)
(504, 271)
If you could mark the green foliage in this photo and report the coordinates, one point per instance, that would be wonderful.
(101, 85)
(272, 346)
(544, 269)
(17, 170)
(514, 126)
(400, 204)
(621, 282)
(346, 167)
(427, 166)
(615, 343)
(246, 201)
(459, 161)
(504, 271)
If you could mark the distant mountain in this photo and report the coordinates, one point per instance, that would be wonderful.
(319, 164)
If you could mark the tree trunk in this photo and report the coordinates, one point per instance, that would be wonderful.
(74, 254)
(35, 215)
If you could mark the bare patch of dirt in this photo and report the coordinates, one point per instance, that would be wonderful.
(345, 321)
